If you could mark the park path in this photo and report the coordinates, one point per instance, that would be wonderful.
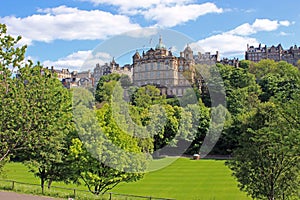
(17, 196)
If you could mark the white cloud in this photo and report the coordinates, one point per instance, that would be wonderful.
(178, 14)
(68, 24)
(133, 7)
(286, 23)
(228, 44)
(282, 33)
(143, 32)
(259, 25)
(166, 13)
(79, 61)
(233, 42)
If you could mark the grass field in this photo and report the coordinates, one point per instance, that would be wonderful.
(184, 179)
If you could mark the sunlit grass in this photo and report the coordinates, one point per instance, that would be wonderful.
(181, 179)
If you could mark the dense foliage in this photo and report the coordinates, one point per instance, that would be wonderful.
(107, 139)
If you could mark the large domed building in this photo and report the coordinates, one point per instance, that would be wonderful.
(161, 68)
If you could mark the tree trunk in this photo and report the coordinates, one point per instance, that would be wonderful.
(272, 192)
(43, 179)
(49, 183)
(42, 184)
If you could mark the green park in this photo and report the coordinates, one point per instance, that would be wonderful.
(183, 179)
(89, 143)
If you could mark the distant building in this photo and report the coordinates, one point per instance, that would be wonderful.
(207, 58)
(112, 67)
(74, 79)
(159, 67)
(61, 74)
(276, 53)
(232, 62)
(171, 74)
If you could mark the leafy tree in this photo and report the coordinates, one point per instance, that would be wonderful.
(167, 130)
(200, 125)
(267, 163)
(106, 155)
(146, 96)
(280, 78)
(105, 87)
(242, 95)
(12, 138)
(50, 116)
(245, 64)
(125, 81)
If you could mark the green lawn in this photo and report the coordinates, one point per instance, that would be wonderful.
(184, 179)
(187, 179)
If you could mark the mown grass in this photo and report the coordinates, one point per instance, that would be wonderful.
(184, 179)
(188, 179)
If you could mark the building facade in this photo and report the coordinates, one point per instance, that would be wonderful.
(172, 75)
(112, 67)
(276, 53)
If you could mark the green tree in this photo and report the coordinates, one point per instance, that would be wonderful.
(12, 137)
(146, 96)
(125, 81)
(106, 155)
(166, 130)
(267, 163)
(105, 87)
(50, 120)
(242, 95)
(280, 78)
(200, 125)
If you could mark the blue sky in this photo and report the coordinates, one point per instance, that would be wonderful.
(63, 33)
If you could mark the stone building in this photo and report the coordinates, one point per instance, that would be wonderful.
(112, 67)
(207, 58)
(61, 74)
(276, 53)
(232, 62)
(161, 68)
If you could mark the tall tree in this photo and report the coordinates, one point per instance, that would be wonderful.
(146, 96)
(12, 137)
(49, 119)
(267, 162)
(105, 87)
(106, 155)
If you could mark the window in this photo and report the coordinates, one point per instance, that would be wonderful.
(151, 74)
(146, 67)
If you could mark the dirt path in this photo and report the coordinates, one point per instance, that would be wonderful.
(17, 196)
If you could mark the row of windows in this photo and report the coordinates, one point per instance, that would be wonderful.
(157, 74)
(164, 82)
(151, 67)
(154, 67)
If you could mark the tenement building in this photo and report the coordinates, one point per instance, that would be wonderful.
(161, 68)
(112, 67)
(276, 53)
(171, 74)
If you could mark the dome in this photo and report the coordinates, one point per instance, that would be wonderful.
(160, 45)
(188, 48)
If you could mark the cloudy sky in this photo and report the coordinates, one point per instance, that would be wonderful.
(63, 33)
